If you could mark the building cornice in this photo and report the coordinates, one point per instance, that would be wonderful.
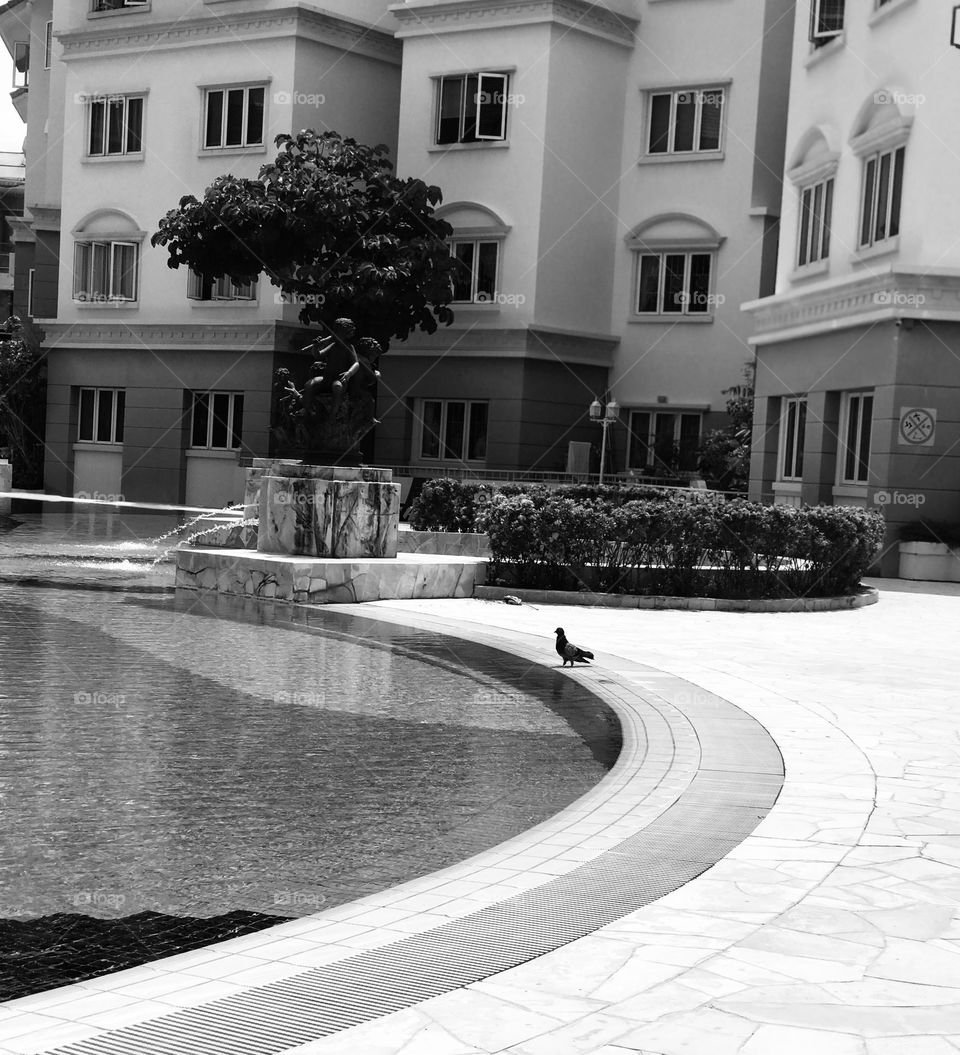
(455, 16)
(260, 336)
(238, 26)
(895, 293)
(533, 342)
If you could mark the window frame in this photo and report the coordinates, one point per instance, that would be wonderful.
(870, 187)
(234, 431)
(819, 37)
(441, 457)
(501, 75)
(20, 77)
(91, 296)
(670, 152)
(845, 451)
(31, 279)
(790, 444)
(686, 305)
(195, 283)
(48, 45)
(105, 100)
(476, 296)
(224, 89)
(649, 443)
(117, 415)
(101, 7)
(813, 226)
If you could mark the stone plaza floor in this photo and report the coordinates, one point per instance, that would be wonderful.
(831, 929)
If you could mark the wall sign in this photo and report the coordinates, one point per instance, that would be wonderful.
(918, 426)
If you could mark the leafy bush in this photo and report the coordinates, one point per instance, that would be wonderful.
(457, 505)
(674, 546)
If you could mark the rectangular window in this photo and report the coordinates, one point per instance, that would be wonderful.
(826, 21)
(216, 421)
(475, 276)
(21, 63)
(233, 117)
(117, 5)
(674, 284)
(48, 45)
(685, 122)
(664, 442)
(856, 436)
(31, 273)
(793, 422)
(880, 204)
(201, 287)
(100, 417)
(116, 125)
(105, 271)
(816, 208)
(472, 107)
(453, 430)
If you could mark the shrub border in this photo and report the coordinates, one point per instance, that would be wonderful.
(865, 595)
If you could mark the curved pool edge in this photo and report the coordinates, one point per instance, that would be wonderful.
(667, 754)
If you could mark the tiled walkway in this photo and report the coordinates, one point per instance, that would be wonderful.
(829, 930)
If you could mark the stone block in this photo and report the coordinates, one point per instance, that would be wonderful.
(366, 519)
(296, 516)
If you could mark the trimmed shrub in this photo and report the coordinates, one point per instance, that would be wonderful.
(674, 546)
(456, 505)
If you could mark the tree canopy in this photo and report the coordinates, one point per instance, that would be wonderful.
(332, 227)
(23, 401)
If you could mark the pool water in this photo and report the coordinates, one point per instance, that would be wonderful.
(195, 756)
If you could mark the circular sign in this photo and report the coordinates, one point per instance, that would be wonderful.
(916, 426)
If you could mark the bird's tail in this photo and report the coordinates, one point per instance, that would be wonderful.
(586, 655)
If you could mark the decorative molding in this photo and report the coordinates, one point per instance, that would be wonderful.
(889, 294)
(454, 16)
(533, 342)
(158, 337)
(325, 28)
(22, 229)
(45, 217)
(673, 230)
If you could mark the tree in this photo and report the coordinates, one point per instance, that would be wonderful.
(725, 452)
(331, 225)
(23, 401)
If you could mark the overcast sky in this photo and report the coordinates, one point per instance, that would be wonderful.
(12, 129)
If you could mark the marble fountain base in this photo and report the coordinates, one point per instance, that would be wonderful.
(313, 580)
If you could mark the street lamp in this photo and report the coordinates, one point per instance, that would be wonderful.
(605, 416)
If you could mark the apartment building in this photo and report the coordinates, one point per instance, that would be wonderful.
(858, 349)
(159, 381)
(611, 171)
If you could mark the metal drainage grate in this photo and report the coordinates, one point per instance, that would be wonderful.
(685, 840)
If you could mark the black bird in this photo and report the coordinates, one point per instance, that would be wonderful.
(570, 653)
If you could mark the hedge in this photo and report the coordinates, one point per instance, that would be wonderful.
(455, 505)
(675, 546)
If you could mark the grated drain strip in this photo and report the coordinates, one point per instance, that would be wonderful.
(685, 840)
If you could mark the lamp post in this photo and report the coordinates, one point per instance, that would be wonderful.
(605, 416)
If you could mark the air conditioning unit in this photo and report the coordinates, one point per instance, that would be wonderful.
(578, 458)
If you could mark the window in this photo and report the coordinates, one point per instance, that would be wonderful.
(674, 284)
(472, 107)
(105, 271)
(116, 125)
(826, 21)
(233, 117)
(880, 205)
(856, 425)
(664, 442)
(48, 46)
(21, 64)
(31, 273)
(793, 422)
(101, 415)
(816, 207)
(453, 430)
(216, 420)
(200, 287)
(475, 277)
(117, 5)
(685, 122)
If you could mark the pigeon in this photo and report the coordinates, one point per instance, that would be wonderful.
(570, 653)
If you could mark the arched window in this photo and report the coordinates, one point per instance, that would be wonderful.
(477, 247)
(812, 170)
(675, 265)
(106, 258)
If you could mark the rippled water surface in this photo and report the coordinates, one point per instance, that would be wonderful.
(194, 756)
